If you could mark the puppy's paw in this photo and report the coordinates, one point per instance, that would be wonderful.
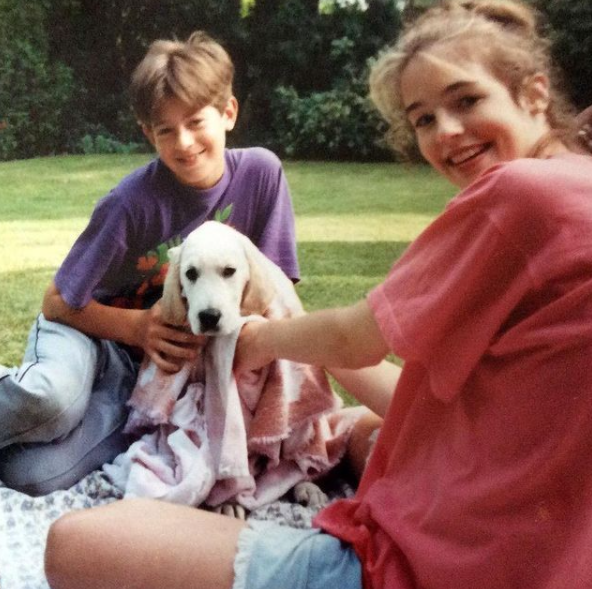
(310, 495)
(231, 510)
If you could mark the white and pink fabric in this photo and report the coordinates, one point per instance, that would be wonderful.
(209, 438)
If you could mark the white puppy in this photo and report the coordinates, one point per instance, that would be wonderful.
(216, 276)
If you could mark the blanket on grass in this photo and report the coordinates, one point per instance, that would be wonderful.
(25, 521)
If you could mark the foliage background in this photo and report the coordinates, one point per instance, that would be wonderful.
(301, 70)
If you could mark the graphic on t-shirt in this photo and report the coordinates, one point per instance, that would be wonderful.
(151, 271)
(222, 216)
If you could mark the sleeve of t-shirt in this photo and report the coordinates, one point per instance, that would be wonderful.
(97, 253)
(277, 233)
(444, 301)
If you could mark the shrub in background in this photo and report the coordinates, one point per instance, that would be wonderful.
(35, 91)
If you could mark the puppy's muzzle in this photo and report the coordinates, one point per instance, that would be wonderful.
(209, 320)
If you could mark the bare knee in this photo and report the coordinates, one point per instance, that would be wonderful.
(65, 544)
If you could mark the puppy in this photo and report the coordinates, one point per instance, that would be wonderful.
(216, 277)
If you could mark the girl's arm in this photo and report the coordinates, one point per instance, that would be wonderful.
(343, 338)
(372, 386)
(168, 346)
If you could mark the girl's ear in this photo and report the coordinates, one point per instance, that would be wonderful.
(535, 94)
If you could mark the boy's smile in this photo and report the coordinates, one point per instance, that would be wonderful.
(191, 142)
(465, 119)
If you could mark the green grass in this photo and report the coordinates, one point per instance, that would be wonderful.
(352, 220)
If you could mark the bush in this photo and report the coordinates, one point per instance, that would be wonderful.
(34, 91)
(103, 142)
(336, 124)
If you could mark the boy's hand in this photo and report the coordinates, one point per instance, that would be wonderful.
(253, 350)
(168, 346)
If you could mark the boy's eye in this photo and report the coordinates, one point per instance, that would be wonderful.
(468, 101)
(162, 131)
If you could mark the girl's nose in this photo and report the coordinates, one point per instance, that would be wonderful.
(448, 126)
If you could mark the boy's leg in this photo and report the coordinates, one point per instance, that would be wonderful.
(40, 468)
(142, 544)
(48, 395)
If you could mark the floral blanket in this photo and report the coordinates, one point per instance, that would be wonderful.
(25, 521)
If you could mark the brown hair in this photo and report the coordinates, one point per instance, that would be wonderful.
(503, 33)
(198, 72)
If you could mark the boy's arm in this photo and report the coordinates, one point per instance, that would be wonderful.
(344, 338)
(166, 345)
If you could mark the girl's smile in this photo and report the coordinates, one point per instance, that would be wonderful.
(465, 119)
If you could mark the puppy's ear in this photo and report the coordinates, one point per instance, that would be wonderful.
(173, 307)
(259, 291)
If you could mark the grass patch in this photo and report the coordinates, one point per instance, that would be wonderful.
(352, 220)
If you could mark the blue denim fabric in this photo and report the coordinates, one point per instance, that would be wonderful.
(271, 556)
(62, 411)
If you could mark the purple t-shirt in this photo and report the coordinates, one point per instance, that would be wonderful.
(121, 257)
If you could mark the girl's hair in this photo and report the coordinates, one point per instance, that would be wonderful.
(198, 72)
(502, 34)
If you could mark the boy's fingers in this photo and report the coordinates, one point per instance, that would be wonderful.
(165, 364)
(182, 337)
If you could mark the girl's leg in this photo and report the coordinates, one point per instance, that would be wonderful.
(361, 442)
(142, 544)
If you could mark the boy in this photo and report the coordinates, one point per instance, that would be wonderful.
(101, 313)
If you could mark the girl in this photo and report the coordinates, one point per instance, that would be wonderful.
(480, 476)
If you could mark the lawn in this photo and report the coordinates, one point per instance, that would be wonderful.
(353, 220)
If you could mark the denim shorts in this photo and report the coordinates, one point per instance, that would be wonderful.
(271, 556)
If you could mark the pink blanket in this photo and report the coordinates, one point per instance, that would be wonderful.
(211, 439)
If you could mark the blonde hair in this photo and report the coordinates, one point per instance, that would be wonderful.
(501, 33)
(199, 72)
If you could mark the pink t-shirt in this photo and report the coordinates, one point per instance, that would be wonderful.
(482, 475)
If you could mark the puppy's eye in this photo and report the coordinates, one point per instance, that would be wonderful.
(228, 271)
(192, 274)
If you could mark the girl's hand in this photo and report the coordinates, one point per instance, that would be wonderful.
(168, 346)
(252, 348)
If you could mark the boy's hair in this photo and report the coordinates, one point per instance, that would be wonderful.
(199, 72)
(500, 33)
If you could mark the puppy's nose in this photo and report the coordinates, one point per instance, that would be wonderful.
(208, 319)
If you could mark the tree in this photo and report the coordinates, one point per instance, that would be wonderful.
(571, 31)
(104, 41)
(34, 91)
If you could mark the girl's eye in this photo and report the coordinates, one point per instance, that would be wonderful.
(423, 121)
(163, 131)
